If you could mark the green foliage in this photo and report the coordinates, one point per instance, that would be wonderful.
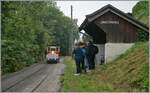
(141, 12)
(143, 36)
(28, 28)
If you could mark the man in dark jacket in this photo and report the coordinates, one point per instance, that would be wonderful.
(91, 50)
(79, 58)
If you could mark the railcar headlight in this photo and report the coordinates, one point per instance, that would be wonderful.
(53, 52)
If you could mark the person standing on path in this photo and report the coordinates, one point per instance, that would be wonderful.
(92, 50)
(83, 48)
(86, 58)
(79, 57)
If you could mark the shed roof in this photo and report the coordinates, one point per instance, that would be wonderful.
(91, 17)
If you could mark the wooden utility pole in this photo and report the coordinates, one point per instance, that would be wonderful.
(71, 12)
(71, 33)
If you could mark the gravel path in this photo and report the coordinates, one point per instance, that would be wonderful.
(38, 78)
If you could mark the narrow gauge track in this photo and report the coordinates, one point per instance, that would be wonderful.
(31, 82)
(45, 78)
(10, 80)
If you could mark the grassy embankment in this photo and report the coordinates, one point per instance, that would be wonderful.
(129, 72)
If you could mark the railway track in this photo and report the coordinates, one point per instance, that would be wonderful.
(42, 77)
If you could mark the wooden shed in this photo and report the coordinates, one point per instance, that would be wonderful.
(112, 30)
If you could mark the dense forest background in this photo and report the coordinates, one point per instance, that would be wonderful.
(28, 28)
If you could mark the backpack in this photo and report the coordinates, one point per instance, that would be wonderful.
(95, 49)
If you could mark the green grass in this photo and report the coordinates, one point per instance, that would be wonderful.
(129, 72)
(80, 83)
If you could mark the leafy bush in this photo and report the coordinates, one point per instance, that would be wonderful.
(141, 12)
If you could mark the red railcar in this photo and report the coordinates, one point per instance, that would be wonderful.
(53, 54)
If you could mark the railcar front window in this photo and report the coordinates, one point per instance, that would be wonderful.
(52, 49)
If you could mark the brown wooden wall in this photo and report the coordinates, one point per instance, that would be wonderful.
(124, 32)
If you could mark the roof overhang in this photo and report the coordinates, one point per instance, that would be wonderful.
(109, 8)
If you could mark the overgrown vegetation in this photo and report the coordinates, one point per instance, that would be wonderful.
(28, 28)
(129, 72)
(141, 12)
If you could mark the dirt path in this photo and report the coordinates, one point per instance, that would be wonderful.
(38, 78)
